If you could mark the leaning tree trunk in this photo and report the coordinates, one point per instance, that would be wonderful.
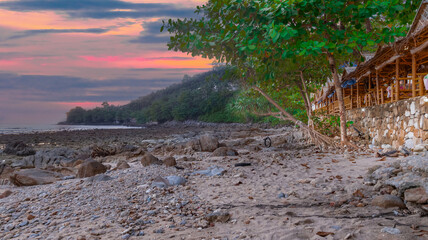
(339, 94)
(306, 99)
(318, 138)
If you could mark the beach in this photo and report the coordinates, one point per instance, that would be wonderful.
(224, 183)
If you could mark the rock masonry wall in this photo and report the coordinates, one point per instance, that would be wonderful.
(398, 124)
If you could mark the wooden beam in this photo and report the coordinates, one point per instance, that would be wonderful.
(420, 48)
(389, 61)
(352, 93)
(421, 86)
(377, 88)
(413, 75)
(397, 82)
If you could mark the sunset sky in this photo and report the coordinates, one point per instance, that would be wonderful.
(58, 54)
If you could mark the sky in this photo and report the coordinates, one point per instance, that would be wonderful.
(58, 54)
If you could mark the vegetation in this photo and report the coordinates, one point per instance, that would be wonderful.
(206, 97)
(290, 43)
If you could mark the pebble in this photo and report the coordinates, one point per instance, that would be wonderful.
(391, 230)
(282, 195)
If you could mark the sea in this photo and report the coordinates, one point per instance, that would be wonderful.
(18, 129)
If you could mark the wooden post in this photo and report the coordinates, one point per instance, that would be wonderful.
(352, 93)
(358, 95)
(421, 86)
(377, 88)
(414, 75)
(397, 85)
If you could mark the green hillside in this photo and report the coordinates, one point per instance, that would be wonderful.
(203, 97)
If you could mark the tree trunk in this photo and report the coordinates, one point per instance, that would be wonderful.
(317, 137)
(306, 99)
(339, 94)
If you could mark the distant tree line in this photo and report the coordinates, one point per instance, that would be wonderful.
(204, 97)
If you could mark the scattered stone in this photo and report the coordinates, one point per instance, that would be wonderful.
(168, 181)
(169, 162)
(211, 171)
(391, 230)
(90, 168)
(417, 195)
(388, 201)
(148, 159)
(5, 193)
(224, 151)
(218, 216)
(30, 177)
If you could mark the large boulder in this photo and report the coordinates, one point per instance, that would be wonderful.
(388, 201)
(148, 159)
(90, 168)
(19, 148)
(30, 177)
(208, 143)
(224, 151)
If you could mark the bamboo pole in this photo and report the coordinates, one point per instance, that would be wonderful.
(397, 85)
(414, 75)
(358, 95)
(377, 88)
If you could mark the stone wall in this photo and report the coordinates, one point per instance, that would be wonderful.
(402, 123)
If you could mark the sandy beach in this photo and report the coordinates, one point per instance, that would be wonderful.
(239, 190)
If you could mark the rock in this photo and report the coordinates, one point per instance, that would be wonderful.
(122, 165)
(419, 148)
(30, 177)
(224, 151)
(218, 216)
(19, 148)
(148, 159)
(405, 181)
(5, 193)
(417, 195)
(168, 181)
(169, 162)
(388, 201)
(90, 168)
(208, 143)
(391, 230)
(383, 173)
(194, 144)
(211, 171)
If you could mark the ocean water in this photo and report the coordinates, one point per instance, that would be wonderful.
(17, 129)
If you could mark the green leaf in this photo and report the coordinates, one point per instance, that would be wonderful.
(252, 47)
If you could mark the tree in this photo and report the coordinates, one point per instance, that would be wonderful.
(263, 36)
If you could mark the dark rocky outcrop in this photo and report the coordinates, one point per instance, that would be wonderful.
(19, 148)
